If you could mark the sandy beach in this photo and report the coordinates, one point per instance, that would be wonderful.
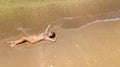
(88, 33)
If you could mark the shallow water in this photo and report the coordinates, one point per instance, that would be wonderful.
(88, 33)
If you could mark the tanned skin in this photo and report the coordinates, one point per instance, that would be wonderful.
(35, 38)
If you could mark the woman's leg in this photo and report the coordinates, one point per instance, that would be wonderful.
(13, 43)
(30, 39)
(20, 40)
(27, 39)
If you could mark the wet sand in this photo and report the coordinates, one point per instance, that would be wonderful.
(87, 37)
(96, 45)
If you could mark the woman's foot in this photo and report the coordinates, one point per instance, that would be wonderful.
(12, 44)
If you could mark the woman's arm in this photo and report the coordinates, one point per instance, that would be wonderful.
(50, 39)
(47, 29)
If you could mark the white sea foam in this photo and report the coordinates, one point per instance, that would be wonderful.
(106, 20)
(68, 18)
(96, 21)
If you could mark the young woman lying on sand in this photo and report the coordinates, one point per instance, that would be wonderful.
(50, 36)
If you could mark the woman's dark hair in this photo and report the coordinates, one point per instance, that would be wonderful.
(53, 35)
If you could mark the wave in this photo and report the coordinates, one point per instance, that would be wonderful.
(113, 19)
(96, 21)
